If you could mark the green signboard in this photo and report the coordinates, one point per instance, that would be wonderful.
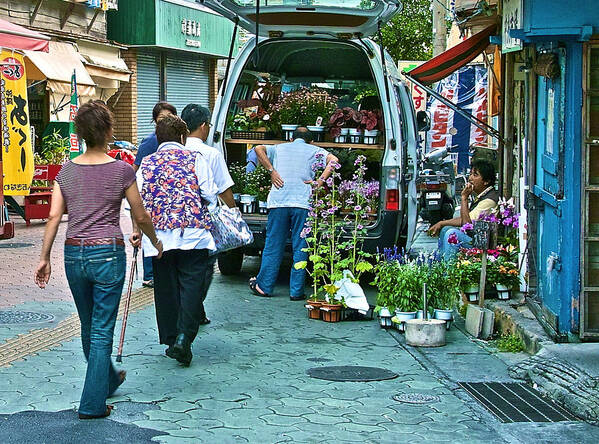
(171, 25)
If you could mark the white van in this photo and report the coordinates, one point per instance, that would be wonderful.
(324, 43)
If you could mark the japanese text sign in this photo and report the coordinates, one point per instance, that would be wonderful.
(17, 148)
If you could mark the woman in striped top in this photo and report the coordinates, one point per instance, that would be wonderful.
(92, 187)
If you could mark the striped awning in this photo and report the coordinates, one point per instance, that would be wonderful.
(453, 59)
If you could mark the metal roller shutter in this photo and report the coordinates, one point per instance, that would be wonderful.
(187, 80)
(148, 91)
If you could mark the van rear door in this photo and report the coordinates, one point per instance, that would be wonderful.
(302, 18)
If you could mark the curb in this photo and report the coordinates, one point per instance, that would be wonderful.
(522, 323)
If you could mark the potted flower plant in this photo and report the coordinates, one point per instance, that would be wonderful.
(370, 122)
(238, 174)
(466, 272)
(503, 272)
(318, 105)
(262, 197)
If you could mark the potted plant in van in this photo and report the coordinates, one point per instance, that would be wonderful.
(262, 197)
(370, 123)
(317, 105)
(238, 174)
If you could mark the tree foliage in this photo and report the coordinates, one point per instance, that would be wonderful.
(409, 35)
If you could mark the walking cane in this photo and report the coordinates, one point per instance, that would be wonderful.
(119, 356)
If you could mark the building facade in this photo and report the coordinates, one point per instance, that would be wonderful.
(173, 57)
(79, 44)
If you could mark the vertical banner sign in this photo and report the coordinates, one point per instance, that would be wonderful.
(17, 148)
(75, 147)
(479, 107)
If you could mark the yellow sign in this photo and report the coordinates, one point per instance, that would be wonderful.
(17, 149)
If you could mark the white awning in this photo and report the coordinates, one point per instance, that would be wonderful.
(57, 66)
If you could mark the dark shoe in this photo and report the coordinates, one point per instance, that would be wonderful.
(182, 350)
(297, 298)
(169, 352)
(254, 288)
(104, 415)
(149, 284)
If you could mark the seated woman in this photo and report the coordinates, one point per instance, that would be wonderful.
(480, 184)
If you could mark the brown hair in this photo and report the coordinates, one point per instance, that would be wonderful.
(170, 129)
(93, 122)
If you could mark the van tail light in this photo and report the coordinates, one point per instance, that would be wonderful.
(391, 188)
(392, 200)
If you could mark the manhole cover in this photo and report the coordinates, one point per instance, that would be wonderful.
(415, 398)
(15, 245)
(351, 373)
(24, 317)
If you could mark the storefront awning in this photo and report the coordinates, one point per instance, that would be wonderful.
(453, 59)
(18, 37)
(57, 67)
(108, 66)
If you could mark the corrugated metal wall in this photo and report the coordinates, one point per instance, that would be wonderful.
(187, 80)
(148, 90)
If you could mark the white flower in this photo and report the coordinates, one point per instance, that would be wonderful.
(266, 117)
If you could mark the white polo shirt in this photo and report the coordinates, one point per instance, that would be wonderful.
(216, 162)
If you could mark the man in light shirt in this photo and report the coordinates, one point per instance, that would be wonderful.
(197, 118)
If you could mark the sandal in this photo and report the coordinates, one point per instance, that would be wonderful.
(104, 415)
(254, 288)
(122, 377)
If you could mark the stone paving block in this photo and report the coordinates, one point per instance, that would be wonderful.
(171, 439)
(158, 424)
(360, 428)
(281, 420)
(167, 416)
(202, 423)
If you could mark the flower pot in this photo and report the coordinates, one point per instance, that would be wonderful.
(402, 316)
(314, 309)
(421, 333)
(444, 315)
(385, 318)
(355, 135)
(317, 132)
(503, 292)
(472, 293)
(331, 312)
(236, 197)
(247, 203)
(288, 130)
(370, 136)
(342, 137)
(262, 207)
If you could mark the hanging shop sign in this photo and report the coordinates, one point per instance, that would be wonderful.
(512, 19)
(191, 28)
(17, 149)
(104, 5)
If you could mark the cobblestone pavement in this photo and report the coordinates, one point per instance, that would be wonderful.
(248, 381)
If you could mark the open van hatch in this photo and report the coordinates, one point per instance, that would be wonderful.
(289, 18)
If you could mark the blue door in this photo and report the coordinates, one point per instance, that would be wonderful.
(549, 188)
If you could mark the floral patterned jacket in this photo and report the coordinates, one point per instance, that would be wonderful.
(170, 190)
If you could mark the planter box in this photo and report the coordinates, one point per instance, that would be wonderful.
(254, 135)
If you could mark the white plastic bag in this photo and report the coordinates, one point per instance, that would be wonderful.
(352, 293)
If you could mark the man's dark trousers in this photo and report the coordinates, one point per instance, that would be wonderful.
(181, 282)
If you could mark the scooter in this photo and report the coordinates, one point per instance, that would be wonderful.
(436, 186)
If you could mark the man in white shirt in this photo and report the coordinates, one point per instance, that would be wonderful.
(197, 118)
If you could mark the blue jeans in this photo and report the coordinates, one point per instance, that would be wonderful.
(96, 275)
(148, 269)
(449, 251)
(280, 222)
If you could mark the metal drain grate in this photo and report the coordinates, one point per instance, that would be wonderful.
(24, 317)
(353, 373)
(415, 398)
(516, 402)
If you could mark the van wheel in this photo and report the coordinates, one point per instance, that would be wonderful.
(230, 262)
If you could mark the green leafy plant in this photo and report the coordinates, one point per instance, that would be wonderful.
(54, 150)
(510, 343)
(466, 270)
(503, 271)
(237, 171)
(263, 193)
(303, 107)
(441, 292)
